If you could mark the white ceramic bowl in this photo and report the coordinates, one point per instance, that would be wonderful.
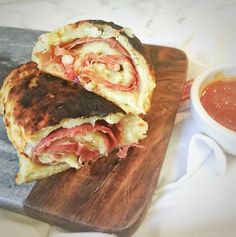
(225, 137)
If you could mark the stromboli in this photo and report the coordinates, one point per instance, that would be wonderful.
(104, 58)
(55, 124)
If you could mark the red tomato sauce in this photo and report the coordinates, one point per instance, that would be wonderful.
(219, 100)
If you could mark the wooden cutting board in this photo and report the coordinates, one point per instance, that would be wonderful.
(113, 195)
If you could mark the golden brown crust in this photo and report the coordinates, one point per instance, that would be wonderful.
(42, 100)
(29, 171)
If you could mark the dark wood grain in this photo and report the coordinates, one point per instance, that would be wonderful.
(113, 195)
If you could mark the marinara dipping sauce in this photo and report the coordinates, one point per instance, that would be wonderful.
(219, 100)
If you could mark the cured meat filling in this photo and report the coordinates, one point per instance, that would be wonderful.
(94, 59)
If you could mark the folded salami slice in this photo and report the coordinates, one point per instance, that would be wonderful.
(56, 124)
(104, 58)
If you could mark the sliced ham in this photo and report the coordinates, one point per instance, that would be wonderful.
(77, 148)
(63, 55)
(122, 152)
(62, 141)
(111, 41)
(112, 62)
(69, 148)
(85, 154)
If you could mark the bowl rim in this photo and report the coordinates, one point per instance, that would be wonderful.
(195, 98)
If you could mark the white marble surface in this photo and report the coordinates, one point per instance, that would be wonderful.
(205, 30)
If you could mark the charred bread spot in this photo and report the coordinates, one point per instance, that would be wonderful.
(136, 44)
(134, 41)
(110, 23)
(52, 99)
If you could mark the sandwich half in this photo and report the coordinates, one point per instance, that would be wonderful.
(104, 58)
(56, 124)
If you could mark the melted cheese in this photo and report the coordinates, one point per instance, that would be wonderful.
(98, 47)
(93, 140)
(69, 159)
(133, 129)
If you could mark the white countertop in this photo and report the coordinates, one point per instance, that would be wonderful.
(205, 30)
